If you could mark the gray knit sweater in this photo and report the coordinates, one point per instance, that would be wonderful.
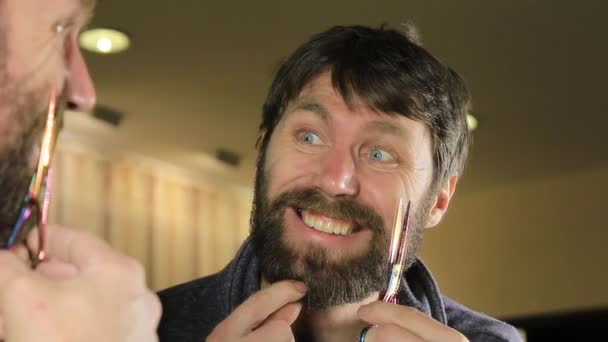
(192, 310)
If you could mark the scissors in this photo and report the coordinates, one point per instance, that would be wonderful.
(396, 259)
(397, 253)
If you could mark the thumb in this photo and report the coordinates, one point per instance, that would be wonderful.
(288, 313)
(57, 270)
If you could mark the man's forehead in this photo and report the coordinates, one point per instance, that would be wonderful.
(85, 4)
(323, 88)
(83, 7)
(88, 4)
(79, 12)
(377, 121)
(52, 8)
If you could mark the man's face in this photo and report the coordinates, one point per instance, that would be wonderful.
(38, 52)
(327, 190)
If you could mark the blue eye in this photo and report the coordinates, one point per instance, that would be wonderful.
(380, 155)
(310, 138)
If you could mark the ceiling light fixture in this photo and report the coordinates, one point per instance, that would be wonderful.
(472, 122)
(104, 40)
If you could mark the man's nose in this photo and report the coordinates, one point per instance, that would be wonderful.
(81, 94)
(338, 175)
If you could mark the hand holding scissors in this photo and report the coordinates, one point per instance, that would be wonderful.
(394, 322)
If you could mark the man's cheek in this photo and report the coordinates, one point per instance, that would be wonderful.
(10, 131)
(33, 156)
(281, 177)
(302, 172)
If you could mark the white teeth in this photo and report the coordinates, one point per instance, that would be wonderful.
(338, 229)
(307, 220)
(333, 228)
(324, 225)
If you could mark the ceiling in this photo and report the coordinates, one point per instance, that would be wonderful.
(196, 76)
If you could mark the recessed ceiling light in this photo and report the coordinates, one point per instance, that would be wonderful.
(472, 122)
(103, 40)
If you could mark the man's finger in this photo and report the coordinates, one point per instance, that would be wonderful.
(427, 328)
(262, 304)
(11, 267)
(391, 333)
(56, 269)
(32, 241)
(22, 253)
(15, 282)
(289, 313)
(74, 247)
(273, 331)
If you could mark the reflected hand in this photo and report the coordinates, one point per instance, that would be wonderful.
(84, 292)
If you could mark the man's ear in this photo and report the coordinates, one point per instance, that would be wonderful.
(442, 202)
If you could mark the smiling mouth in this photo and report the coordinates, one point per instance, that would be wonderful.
(326, 224)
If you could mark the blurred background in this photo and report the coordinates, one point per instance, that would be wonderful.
(163, 168)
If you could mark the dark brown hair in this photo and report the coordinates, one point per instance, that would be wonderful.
(389, 72)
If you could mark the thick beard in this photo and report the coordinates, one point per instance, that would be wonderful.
(330, 283)
(25, 118)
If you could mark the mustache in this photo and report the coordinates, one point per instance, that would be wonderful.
(363, 217)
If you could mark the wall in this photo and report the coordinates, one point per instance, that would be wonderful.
(179, 226)
(526, 248)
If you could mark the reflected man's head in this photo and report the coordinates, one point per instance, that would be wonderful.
(355, 118)
(39, 54)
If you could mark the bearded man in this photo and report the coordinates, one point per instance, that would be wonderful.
(355, 119)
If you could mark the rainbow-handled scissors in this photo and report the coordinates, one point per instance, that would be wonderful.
(396, 259)
(397, 253)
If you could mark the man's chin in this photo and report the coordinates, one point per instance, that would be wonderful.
(311, 252)
(337, 268)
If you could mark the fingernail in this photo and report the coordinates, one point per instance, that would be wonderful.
(301, 287)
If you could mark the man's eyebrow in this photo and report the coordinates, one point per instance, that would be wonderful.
(386, 127)
(310, 105)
